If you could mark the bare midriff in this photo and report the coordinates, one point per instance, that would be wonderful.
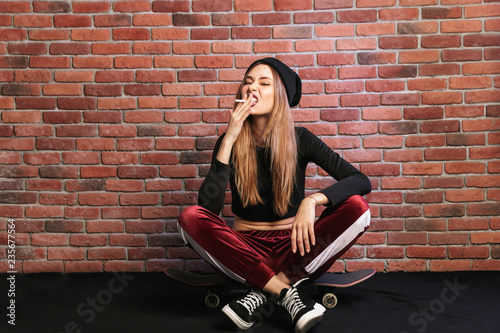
(241, 224)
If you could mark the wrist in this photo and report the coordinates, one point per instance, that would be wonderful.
(313, 201)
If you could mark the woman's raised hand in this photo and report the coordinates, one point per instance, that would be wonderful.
(238, 117)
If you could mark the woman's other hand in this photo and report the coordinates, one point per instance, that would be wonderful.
(303, 237)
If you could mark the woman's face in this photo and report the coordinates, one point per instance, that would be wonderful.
(259, 83)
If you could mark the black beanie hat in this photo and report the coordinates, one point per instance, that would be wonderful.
(291, 81)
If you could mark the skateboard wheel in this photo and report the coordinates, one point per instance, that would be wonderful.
(212, 301)
(329, 300)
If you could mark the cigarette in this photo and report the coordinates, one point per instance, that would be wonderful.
(240, 100)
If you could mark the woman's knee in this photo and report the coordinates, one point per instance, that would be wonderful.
(357, 202)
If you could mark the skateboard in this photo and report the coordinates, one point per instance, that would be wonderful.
(216, 283)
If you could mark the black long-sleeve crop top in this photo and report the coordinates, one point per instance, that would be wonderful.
(350, 181)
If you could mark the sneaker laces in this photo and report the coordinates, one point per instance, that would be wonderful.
(292, 302)
(252, 301)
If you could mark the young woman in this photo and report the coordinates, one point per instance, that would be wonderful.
(275, 242)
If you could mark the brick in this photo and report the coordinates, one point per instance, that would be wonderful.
(481, 40)
(422, 169)
(72, 21)
(465, 195)
(241, 33)
(482, 11)
(21, 117)
(482, 209)
(417, 28)
(140, 172)
(356, 44)
(190, 20)
(439, 69)
(482, 96)
(93, 62)
(444, 182)
(152, 20)
(91, 7)
(10, 158)
(464, 167)
(408, 155)
(457, 26)
(406, 238)
(51, 7)
(111, 48)
(13, 62)
(443, 210)
(156, 130)
(55, 144)
(461, 55)
(74, 76)
(465, 139)
(368, 58)
(42, 158)
(319, 73)
(426, 224)
(472, 223)
(432, 13)
(399, 127)
(97, 199)
(132, 6)
(443, 154)
(344, 87)
(356, 16)
(485, 237)
(441, 41)
(139, 199)
(113, 20)
(27, 48)
(418, 56)
(133, 62)
(426, 141)
(288, 5)
(318, 17)
(81, 157)
(426, 252)
(17, 144)
(62, 89)
(480, 125)
(231, 19)
(334, 31)
(97, 172)
(484, 68)
(358, 72)
(400, 99)
(210, 33)
(492, 25)
(397, 71)
(49, 34)
(171, 6)
(399, 14)
(38, 184)
(143, 116)
(399, 42)
(158, 76)
(484, 153)
(42, 266)
(76, 103)
(371, 29)
(441, 97)
(44, 212)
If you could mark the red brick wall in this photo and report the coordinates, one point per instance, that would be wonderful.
(109, 111)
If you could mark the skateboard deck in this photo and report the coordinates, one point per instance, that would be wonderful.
(329, 281)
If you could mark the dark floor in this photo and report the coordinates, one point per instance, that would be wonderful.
(151, 302)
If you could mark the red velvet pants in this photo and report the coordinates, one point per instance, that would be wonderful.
(253, 257)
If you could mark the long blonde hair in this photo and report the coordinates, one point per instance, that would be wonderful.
(279, 139)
